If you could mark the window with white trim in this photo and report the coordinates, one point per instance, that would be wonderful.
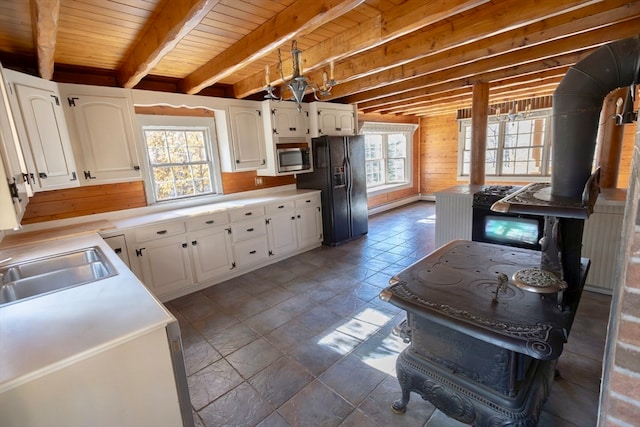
(181, 156)
(388, 153)
(519, 148)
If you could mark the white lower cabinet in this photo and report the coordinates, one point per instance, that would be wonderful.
(309, 221)
(179, 257)
(281, 228)
(210, 247)
(164, 265)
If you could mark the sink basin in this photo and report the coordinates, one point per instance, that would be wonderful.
(46, 275)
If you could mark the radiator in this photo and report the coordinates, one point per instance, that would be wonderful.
(453, 217)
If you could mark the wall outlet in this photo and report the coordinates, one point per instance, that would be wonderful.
(258, 180)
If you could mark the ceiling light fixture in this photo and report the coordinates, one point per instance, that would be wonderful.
(298, 85)
(513, 113)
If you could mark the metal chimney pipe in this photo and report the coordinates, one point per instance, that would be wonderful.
(576, 109)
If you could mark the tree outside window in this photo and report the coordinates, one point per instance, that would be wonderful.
(514, 148)
(179, 157)
(387, 154)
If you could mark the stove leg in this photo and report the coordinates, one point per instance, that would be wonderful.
(400, 405)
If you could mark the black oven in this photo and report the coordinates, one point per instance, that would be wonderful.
(521, 231)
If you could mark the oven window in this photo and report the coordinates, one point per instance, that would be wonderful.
(511, 229)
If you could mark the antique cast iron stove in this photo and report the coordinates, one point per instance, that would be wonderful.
(485, 331)
(479, 354)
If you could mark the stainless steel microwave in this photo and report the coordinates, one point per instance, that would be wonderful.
(293, 157)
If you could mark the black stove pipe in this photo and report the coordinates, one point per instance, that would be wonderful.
(576, 110)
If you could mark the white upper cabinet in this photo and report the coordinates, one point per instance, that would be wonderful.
(287, 121)
(12, 162)
(101, 126)
(332, 119)
(41, 126)
(247, 138)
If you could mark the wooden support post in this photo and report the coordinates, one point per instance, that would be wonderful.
(609, 139)
(479, 117)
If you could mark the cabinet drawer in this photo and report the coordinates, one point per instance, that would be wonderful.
(158, 231)
(246, 213)
(280, 207)
(251, 252)
(248, 229)
(308, 201)
(209, 220)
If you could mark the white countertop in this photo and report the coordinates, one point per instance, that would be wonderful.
(46, 333)
(185, 213)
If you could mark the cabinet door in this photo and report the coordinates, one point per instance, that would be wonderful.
(281, 231)
(163, 264)
(211, 253)
(248, 143)
(119, 245)
(49, 156)
(308, 221)
(288, 122)
(336, 122)
(104, 131)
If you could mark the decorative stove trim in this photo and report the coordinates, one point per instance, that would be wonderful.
(535, 336)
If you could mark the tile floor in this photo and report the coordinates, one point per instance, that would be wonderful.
(307, 342)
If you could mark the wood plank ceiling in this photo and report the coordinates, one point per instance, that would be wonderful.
(406, 57)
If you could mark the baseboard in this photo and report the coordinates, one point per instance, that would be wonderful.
(394, 204)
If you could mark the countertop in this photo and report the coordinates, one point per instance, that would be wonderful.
(607, 196)
(186, 213)
(46, 333)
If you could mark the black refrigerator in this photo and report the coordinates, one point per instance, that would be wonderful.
(339, 171)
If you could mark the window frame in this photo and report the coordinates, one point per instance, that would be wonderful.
(385, 129)
(206, 124)
(464, 124)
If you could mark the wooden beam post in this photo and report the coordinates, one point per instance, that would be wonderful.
(609, 139)
(479, 117)
(44, 14)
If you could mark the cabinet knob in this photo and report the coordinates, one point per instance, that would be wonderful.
(184, 245)
(118, 250)
(252, 252)
(194, 243)
(161, 232)
(43, 175)
(249, 230)
(248, 213)
(209, 222)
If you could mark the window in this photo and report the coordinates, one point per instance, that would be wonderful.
(514, 148)
(180, 155)
(387, 154)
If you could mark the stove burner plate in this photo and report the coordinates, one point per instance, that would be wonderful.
(463, 261)
(485, 287)
(440, 276)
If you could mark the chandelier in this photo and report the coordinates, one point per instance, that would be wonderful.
(513, 114)
(298, 85)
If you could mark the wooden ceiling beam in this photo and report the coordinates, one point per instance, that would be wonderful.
(299, 18)
(508, 91)
(497, 86)
(540, 56)
(44, 15)
(496, 96)
(539, 32)
(173, 23)
(394, 23)
(436, 87)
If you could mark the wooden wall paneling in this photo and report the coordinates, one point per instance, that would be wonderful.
(236, 182)
(73, 202)
(438, 153)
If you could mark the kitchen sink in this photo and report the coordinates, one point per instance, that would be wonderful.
(46, 275)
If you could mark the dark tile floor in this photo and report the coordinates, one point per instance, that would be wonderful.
(307, 342)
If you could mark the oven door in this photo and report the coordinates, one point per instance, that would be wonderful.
(521, 231)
